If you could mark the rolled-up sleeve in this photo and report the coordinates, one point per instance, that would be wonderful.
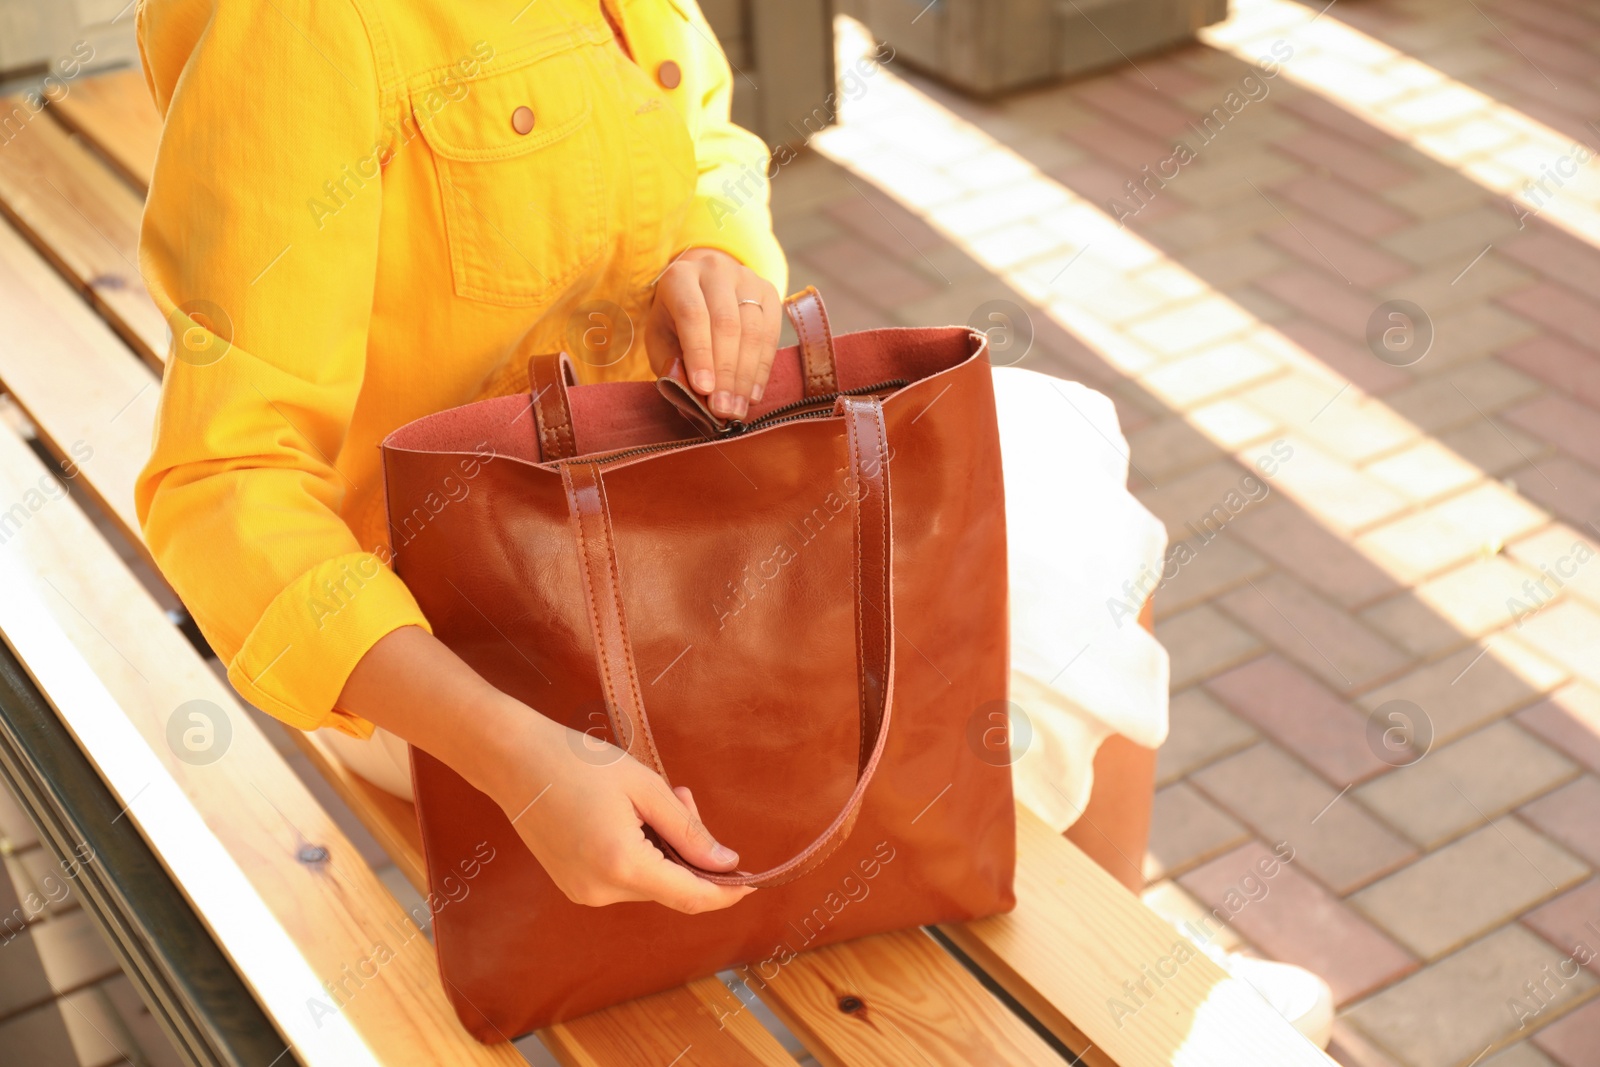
(729, 158)
(260, 244)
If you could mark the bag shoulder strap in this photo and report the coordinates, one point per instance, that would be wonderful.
(549, 376)
(867, 444)
(811, 326)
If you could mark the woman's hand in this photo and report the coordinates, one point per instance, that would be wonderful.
(724, 320)
(579, 805)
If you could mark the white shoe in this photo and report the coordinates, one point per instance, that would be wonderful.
(1294, 992)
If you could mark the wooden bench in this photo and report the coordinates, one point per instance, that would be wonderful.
(281, 889)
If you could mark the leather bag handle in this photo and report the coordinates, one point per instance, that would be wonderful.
(549, 376)
(867, 442)
(811, 326)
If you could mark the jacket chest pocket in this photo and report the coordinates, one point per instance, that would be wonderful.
(520, 178)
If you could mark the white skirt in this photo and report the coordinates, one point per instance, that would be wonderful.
(1080, 545)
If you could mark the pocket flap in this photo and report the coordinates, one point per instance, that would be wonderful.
(471, 119)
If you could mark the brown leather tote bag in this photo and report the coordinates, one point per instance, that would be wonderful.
(801, 617)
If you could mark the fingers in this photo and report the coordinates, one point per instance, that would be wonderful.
(637, 870)
(683, 794)
(758, 343)
(727, 336)
(682, 890)
(772, 310)
(724, 321)
(679, 825)
(646, 874)
(680, 292)
(661, 338)
(590, 832)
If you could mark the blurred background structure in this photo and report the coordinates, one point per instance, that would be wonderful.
(35, 36)
(1361, 238)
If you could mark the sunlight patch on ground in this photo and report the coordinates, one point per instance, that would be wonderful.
(1545, 172)
(1101, 281)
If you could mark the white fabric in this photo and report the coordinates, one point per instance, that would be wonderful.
(1080, 669)
(1075, 535)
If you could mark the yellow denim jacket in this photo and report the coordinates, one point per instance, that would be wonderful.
(359, 207)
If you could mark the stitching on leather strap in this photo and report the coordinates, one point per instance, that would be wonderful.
(626, 728)
(832, 369)
(808, 351)
(852, 440)
(550, 410)
(871, 412)
(640, 721)
(598, 564)
(536, 399)
(564, 415)
(821, 372)
(549, 443)
(556, 404)
(885, 559)
(576, 510)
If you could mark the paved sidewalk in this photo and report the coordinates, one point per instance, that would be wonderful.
(1417, 575)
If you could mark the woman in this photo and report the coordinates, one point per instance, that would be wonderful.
(359, 209)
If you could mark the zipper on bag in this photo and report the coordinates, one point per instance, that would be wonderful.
(820, 405)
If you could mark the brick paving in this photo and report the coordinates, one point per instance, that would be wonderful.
(1398, 554)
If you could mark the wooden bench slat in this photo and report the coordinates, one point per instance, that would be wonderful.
(95, 411)
(1077, 936)
(699, 1024)
(85, 220)
(911, 1002)
(389, 819)
(230, 833)
(114, 113)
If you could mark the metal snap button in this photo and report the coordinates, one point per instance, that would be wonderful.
(669, 74)
(522, 120)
